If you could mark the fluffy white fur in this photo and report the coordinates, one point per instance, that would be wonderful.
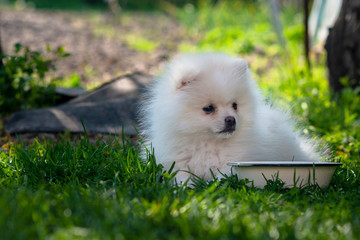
(179, 129)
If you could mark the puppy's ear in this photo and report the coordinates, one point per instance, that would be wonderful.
(186, 80)
(240, 66)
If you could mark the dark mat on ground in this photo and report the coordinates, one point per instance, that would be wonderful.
(108, 109)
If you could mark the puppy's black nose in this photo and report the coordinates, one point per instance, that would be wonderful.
(230, 122)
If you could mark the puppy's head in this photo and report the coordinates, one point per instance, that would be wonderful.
(214, 94)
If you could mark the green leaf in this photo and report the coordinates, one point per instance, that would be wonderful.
(18, 47)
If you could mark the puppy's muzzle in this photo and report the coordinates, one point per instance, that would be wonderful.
(230, 124)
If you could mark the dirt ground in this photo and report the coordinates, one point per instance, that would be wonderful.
(97, 42)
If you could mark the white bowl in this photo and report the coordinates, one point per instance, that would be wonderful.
(300, 173)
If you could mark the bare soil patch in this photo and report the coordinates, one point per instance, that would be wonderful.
(96, 41)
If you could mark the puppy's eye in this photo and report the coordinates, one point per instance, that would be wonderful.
(209, 109)
(234, 105)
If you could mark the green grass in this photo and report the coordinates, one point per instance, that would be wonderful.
(82, 190)
(73, 81)
(140, 43)
(63, 190)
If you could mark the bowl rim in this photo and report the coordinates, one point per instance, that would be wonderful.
(283, 164)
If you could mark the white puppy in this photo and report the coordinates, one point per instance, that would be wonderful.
(206, 111)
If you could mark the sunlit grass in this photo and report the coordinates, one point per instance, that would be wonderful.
(140, 43)
(104, 190)
(73, 81)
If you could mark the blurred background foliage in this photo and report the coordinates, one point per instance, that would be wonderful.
(125, 4)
